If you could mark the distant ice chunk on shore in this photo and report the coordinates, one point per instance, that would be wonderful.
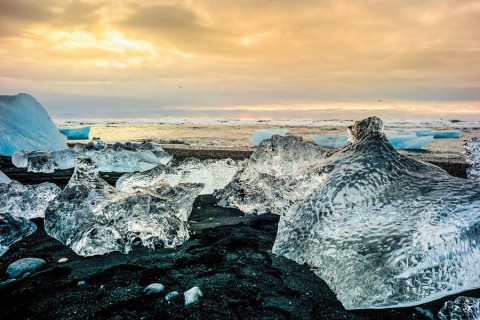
(28, 201)
(401, 141)
(13, 229)
(437, 134)
(472, 151)
(267, 181)
(381, 229)
(463, 308)
(92, 217)
(76, 133)
(118, 157)
(263, 134)
(214, 174)
(25, 125)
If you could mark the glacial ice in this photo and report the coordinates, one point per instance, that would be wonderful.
(4, 178)
(214, 174)
(76, 133)
(264, 134)
(92, 217)
(437, 134)
(401, 140)
(472, 151)
(381, 229)
(25, 125)
(118, 157)
(267, 181)
(13, 229)
(329, 140)
(463, 308)
(28, 201)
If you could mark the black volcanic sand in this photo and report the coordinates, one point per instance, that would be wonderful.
(228, 256)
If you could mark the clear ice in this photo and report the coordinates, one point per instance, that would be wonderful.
(472, 151)
(13, 229)
(118, 157)
(28, 201)
(381, 229)
(76, 133)
(463, 308)
(267, 183)
(264, 134)
(25, 125)
(94, 218)
(214, 174)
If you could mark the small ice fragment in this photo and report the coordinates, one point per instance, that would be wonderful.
(81, 283)
(171, 295)
(62, 260)
(463, 308)
(192, 295)
(263, 134)
(13, 229)
(4, 179)
(154, 288)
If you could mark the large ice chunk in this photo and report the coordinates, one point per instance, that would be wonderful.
(384, 230)
(28, 201)
(118, 157)
(267, 182)
(472, 150)
(76, 133)
(214, 174)
(25, 125)
(13, 229)
(463, 308)
(264, 134)
(93, 218)
(401, 141)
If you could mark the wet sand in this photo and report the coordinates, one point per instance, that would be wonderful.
(229, 257)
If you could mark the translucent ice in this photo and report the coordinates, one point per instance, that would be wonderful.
(463, 308)
(329, 140)
(13, 229)
(263, 134)
(267, 182)
(381, 229)
(422, 132)
(76, 133)
(402, 140)
(214, 174)
(118, 157)
(92, 217)
(472, 151)
(28, 201)
(4, 178)
(25, 125)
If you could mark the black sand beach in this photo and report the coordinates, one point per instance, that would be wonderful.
(228, 256)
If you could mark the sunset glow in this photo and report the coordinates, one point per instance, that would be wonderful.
(302, 59)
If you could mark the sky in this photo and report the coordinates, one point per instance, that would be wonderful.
(244, 59)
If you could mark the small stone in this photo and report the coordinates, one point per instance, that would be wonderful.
(154, 288)
(171, 295)
(62, 260)
(81, 283)
(192, 295)
(22, 266)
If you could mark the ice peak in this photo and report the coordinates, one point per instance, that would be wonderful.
(366, 130)
(85, 170)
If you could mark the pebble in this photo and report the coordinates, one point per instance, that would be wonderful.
(171, 295)
(23, 266)
(81, 283)
(154, 288)
(192, 295)
(62, 260)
